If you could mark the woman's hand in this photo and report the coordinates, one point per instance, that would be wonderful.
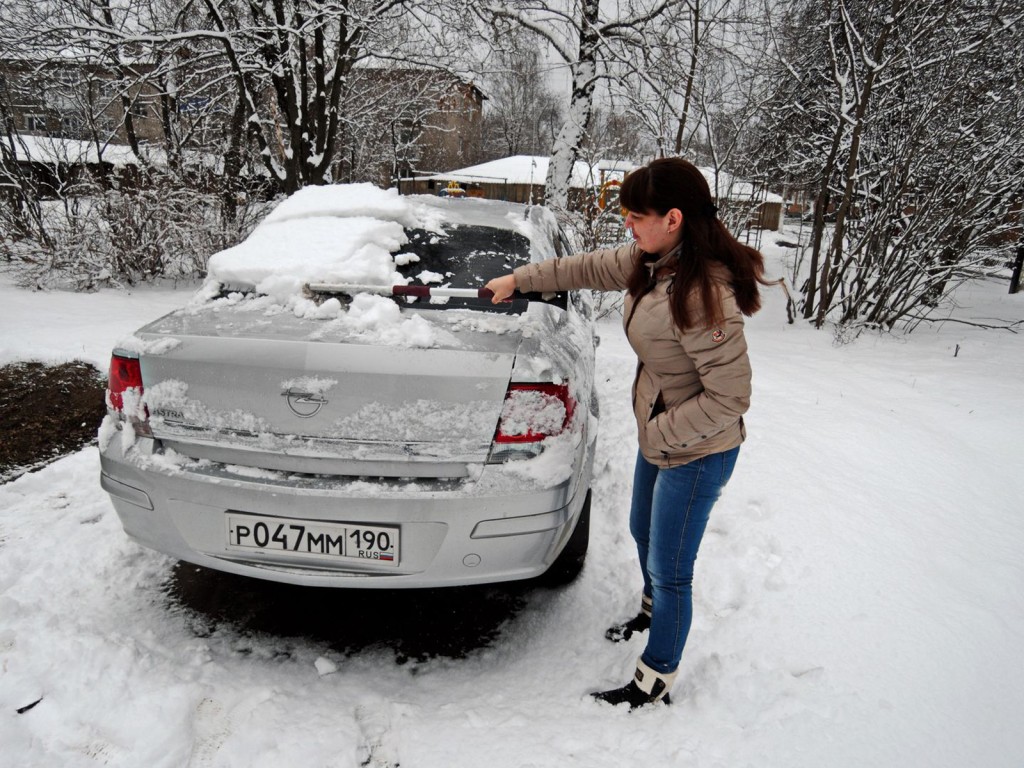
(502, 287)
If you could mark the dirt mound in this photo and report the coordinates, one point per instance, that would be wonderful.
(47, 411)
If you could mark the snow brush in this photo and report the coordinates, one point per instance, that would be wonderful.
(428, 291)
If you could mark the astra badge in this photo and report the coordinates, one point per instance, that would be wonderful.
(718, 336)
(305, 405)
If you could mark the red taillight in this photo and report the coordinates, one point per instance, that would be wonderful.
(533, 412)
(125, 374)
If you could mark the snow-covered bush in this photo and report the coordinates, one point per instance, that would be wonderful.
(90, 236)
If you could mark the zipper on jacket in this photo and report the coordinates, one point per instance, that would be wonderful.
(652, 283)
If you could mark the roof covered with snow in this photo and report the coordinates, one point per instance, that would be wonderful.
(51, 150)
(533, 169)
(725, 186)
(517, 169)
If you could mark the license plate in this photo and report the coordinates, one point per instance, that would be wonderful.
(307, 538)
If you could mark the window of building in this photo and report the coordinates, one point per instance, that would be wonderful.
(68, 79)
(72, 126)
(35, 123)
(139, 109)
(193, 104)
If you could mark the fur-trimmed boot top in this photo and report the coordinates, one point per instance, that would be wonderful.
(646, 687)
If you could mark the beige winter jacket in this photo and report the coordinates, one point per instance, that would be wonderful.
(691, 388)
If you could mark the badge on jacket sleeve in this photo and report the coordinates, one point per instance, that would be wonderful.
(718, 335)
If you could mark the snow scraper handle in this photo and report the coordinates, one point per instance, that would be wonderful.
(428, 291)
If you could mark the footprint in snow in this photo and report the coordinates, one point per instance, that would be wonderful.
(376, 744)
(212, 729)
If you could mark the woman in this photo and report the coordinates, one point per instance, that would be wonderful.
(688, 283)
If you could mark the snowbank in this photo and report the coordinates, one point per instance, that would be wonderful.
(857, 596)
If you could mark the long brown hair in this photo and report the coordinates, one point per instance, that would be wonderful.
(672, 182)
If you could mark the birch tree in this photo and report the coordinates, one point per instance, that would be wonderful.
(579, 33)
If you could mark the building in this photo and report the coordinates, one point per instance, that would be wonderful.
(394, 122)
(762, 208)
(518, 179)
(75, 100)
(401, 122)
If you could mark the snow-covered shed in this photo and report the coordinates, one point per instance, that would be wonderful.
(55, 162)
(765, 207)
(518, 179)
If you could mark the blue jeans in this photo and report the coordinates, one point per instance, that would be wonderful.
(669, 513)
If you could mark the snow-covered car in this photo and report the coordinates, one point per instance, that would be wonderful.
(298, 422)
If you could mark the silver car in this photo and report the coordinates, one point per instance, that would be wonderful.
(304, 447)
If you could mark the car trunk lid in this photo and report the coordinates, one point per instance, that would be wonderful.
(318, 397)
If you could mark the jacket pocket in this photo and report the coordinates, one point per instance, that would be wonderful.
(657, 407)
(656, 440)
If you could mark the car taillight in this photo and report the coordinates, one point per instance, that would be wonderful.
(125, 378)
(533, 412)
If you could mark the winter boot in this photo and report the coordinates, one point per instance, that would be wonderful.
(639, 623)
(646, 687)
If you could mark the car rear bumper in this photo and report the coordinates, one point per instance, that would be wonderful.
(489, 529)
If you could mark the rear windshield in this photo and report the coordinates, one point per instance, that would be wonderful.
(462, 257)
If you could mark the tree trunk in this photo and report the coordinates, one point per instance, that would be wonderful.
(233, 165)
(570, 137)
(690, 77)
(1017, 266)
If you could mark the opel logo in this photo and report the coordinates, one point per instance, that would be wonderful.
(305, 405)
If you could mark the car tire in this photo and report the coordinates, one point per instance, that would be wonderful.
(569, 563)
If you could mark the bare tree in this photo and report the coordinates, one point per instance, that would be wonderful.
(398, 122)
(290, 61)
(524, 113)
(700, 67)
(899, 120)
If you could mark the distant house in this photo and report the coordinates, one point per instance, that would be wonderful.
(76, 100)
(521, 179)
(58, 163)
(394, 122)
(518, 179)
(400, 121)
(764, 208)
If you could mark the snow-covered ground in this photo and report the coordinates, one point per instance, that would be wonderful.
(860, 591)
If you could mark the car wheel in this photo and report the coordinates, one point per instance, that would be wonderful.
(570, 562)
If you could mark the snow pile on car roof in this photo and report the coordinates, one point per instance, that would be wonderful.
(348, 200)
(343, 233)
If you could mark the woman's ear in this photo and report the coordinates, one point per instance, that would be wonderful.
(674, 220)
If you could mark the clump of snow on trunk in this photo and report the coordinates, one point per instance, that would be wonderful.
(378, 319)
(554, 464)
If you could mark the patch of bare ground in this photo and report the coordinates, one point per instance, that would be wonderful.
(47, 411)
